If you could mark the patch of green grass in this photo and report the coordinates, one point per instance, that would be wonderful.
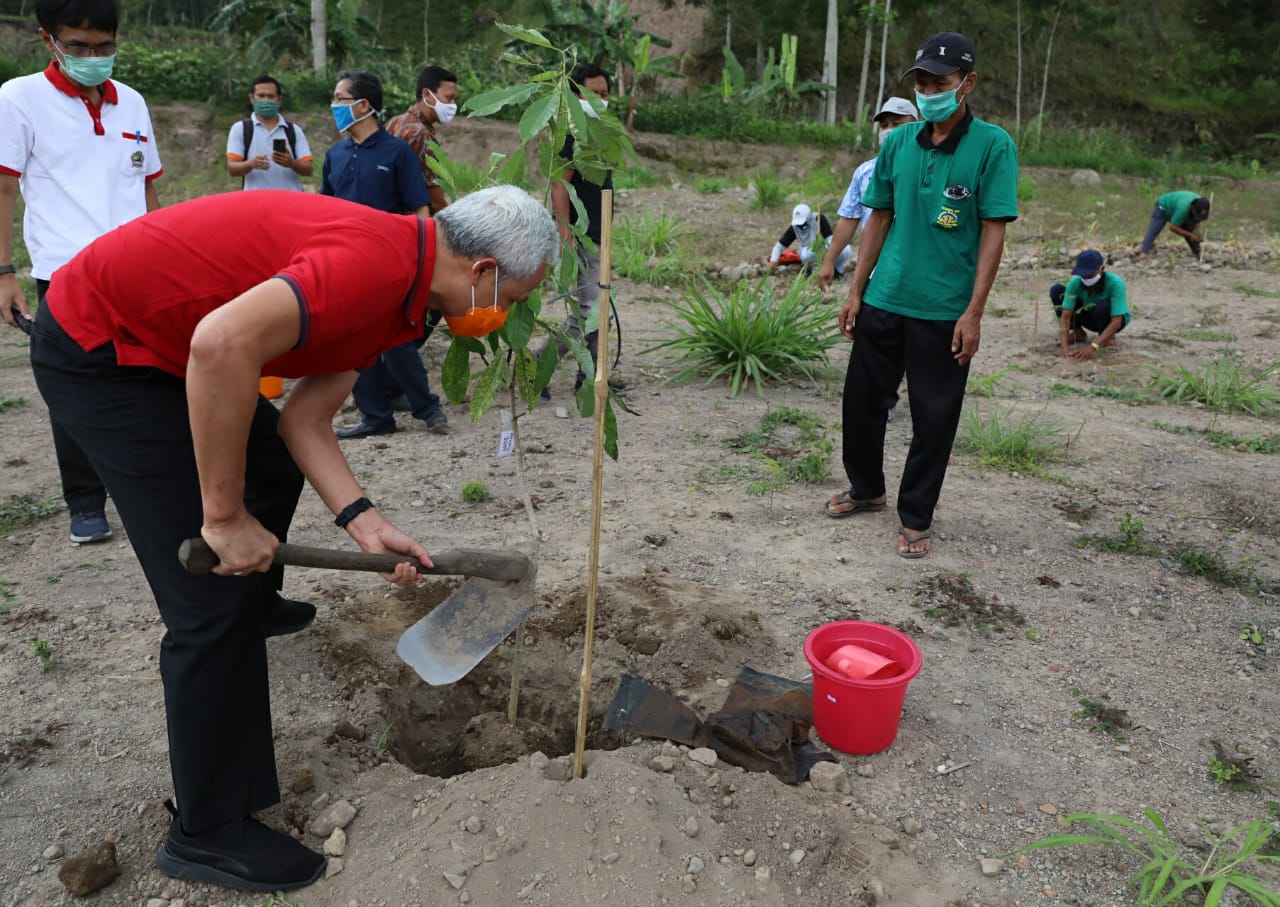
(1225, 440)
(1001, 439)
(474, 492)
(751, 334)
(647, 248)
(7, 596)
(1130, 540)
(1106, 393)
(635, 176)
(1026, 189)
(950, 599)
(792, 446)
(1207, 335)
(1221, 385)
(1211, 315)
(1168, 872)
(711, 185)
(1248, 290)
(8, 403)
(22, 510)
(1214, 567)
(1107, 719)
(1235, 772)
(42, 650)
(986, 385)
(770, 193)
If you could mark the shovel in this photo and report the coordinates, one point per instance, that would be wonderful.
(444, 646)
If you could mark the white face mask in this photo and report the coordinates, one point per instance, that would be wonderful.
(444, 112)
(589, 110)
(1091, 281)
(881, 134)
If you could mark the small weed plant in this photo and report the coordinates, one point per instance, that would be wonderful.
(751, 334)
(22, 510)
(1248, 290)
(1212, 566)
(42, 650)
(647, 248)
(8, 403)
(1107, 719)
(1232, 770)
(1130, 540)
(1120, 395)
(1026, 444)
(7, 596)
(770, 193)
(950, 599)
(710, 185)
(792, 446)
(1206, 335)
(1254, 636)
(474, 492)
(1169, 873)
(1222, 386)
(987, 385)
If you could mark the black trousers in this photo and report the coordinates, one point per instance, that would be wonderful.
(81, 487)
(133, 425)
(885, 346)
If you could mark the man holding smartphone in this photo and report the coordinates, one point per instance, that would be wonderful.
(264, 149)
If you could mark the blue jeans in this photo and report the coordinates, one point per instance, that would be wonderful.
(1158, 221)
(398, 371)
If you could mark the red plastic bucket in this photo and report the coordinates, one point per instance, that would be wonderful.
(859, 716)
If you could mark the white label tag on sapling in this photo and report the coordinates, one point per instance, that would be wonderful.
(506, 440)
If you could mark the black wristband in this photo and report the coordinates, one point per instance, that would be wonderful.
(351, 511)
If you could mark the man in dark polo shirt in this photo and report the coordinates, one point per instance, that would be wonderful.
(148, 353)
(373, 167)
(940, 197)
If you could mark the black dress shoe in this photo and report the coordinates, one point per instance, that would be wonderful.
(284, 616)
(363, 430)
(243, 854)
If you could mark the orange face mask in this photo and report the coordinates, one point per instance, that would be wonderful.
(478, 322)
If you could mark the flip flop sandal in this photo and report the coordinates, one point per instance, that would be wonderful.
(846, 497)
(911, 540)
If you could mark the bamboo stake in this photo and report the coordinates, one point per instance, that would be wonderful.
(597, 479)
(517, 660)
(1035, 321)
(1204, 233)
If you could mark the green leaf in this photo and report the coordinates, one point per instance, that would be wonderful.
(547, 363)
(492, 101)
(519, 325)
(537, 116)
(513, 170)
(577, 116)
(455, 372)
(527, 377)
(610, 430)
(486, 386)
(528, 35)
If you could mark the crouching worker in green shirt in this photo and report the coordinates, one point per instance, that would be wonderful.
(1095, 300)
(1182, 212)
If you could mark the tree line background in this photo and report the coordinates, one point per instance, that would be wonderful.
(1197, 78)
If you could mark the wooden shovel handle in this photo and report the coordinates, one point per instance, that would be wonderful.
(503, 564)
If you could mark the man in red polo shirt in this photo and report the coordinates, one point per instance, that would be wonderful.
(81, 150)
(148, 352)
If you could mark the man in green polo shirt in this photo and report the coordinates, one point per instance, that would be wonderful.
(1093, 299)
(940, 197)
(1183, 212)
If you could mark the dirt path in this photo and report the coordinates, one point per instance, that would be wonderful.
(699, 578)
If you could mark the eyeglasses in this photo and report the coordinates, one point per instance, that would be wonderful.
(81, 51)
(337, 98)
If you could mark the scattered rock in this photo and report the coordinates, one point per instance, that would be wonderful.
(662, 764)
(539, 761)
(473, 825)
(54, 852)
(333, 867)
(303, 781)
(912, 826)
(763, 873)
(90, 870)
(696, 865)
(703, 756)
(1048, 809)
(336, 844)
(749, 858)
(610, 858)
(866, 770)
(1088, 178)
(337, 815)
(456, 877)
(829, 777)
(797, 856)
(157, 902)
(349, 731)
(691, 827)
(991, 866)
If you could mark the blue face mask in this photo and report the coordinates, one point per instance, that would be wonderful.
(343, 118)
(90, 71)
(937, 107)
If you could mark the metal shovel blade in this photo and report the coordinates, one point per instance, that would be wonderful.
(445, 645)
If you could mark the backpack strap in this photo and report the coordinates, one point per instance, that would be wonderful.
(293, 139)
(246, 128)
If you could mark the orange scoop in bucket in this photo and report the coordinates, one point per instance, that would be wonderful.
(862, 664)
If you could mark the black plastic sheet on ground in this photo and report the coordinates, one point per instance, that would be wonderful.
(763, 725)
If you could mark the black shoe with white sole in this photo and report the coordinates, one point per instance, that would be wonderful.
(244, 854)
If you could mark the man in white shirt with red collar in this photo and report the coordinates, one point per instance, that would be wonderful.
(81, 150)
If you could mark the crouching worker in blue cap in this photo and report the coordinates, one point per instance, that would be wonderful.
(1095, 300)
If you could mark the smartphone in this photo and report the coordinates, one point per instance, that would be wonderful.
(280, 145)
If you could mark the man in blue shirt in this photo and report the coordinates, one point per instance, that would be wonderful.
(374, 168)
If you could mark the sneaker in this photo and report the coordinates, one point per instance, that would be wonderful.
(89, 526)
(243, 854)
(437, 422)
(284, 616)
(364, 429)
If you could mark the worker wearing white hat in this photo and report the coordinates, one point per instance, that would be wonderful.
(807, 228)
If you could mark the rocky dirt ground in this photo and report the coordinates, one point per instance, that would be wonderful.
(699, 578)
